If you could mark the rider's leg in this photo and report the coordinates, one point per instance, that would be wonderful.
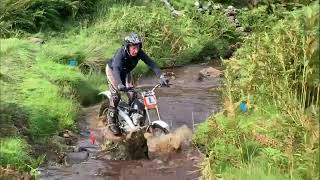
(114, 101)
(129, 84)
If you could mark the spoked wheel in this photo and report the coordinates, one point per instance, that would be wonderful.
(156, 130)
(104, 108)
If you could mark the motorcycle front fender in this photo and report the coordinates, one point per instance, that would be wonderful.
(161, 124)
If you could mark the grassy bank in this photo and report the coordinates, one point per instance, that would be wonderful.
(39, 99)
(275, 74)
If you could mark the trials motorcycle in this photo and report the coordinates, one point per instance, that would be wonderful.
(136, 116)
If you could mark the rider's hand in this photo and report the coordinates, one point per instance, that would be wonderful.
(130, 88)
(122, 87)
(164, 81)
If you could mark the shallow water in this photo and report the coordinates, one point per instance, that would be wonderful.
(187, 102)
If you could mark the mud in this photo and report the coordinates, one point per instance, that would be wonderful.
(185, 104)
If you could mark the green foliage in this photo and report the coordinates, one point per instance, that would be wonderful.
(254, 171)
(276, 74)
(254, 145)
(258, 18)
(182, 4)
(47, 117)
(46, 91)
(13, 120)
(39, 98)
(34, 15)
(172, 40)
(13, 151)
(286, 71)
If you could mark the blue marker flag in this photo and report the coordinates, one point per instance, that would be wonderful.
(243, 107)
(72, 62)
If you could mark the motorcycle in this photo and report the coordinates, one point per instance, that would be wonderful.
(136, 116)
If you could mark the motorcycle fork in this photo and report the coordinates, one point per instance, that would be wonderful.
(148, 116)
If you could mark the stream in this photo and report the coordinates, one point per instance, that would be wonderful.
(189, 101)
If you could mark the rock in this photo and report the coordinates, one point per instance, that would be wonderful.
(61, 158)
(231, 18)
(231, 49)
(77, 149)
(107, 157)
(58, 140)
(177, 13)
(36, 40)
(170, 74)
(157, 161)
(66, 135)
(76, 157)
(91, 150)
(240, 29)
(209, 72)
(70, 133)
(132, 148)
(171, 163)
(231, 10)
(85, 133)
(197, 4)
(85, 145)
(217, 7)
(207, 58)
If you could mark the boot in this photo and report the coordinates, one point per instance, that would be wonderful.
(113, 124)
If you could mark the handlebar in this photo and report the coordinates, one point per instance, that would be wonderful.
(154, 87)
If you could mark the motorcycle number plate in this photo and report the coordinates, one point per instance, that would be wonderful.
(150, 102)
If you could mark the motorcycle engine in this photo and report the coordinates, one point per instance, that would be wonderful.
(138, 113)
(136, 118)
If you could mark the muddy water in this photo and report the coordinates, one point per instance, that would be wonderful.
(187, 102)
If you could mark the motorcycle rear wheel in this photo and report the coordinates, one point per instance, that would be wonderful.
(104, 107)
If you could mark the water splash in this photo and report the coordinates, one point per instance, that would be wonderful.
(171, 142)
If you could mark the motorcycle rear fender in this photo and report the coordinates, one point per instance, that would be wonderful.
(106, 93)
(161, 123)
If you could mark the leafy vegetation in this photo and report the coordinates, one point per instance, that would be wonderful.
(30, 16)
(276, 74)
(39, 97)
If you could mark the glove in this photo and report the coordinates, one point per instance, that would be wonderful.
(164, 80)
(122, 87)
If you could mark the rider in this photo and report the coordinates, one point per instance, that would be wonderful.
(119, 75)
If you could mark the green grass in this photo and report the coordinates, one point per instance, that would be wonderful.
(275, 72)
(39, 98)
(259, 144)
(254, 171)
(13, 151)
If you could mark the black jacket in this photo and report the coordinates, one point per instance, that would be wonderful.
(122, 64)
